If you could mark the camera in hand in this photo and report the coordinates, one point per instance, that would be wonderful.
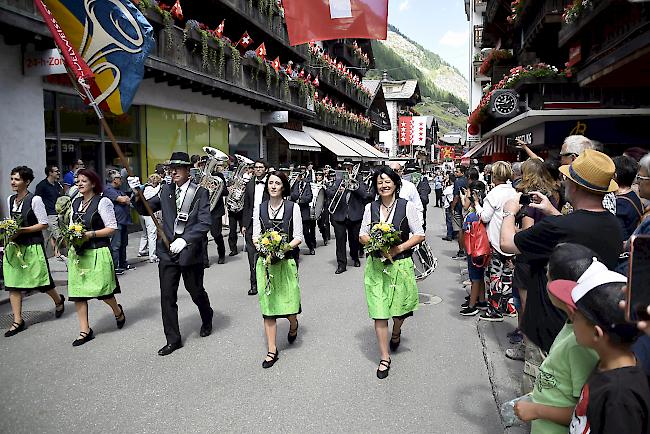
(525, 199)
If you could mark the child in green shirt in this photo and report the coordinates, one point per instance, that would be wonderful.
(568, 365)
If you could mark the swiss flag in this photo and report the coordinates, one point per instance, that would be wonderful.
(219, 30)
(261, 51)
(288, 70)
(320, 20)
(244, 41)
(405, 130)
(316, 83)
(176, 11)
(276, 64)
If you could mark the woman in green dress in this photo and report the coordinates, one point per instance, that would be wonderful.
(24, 265)
(279, 293)
(391, 291)
(91, 273)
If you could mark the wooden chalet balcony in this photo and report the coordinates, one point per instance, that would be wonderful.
(541, 23)
(495, 9)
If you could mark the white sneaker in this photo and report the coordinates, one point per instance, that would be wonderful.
(154, 260)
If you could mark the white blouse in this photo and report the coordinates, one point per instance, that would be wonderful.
(413, 216)
(105, 210)
(297, 222)
(37, 206)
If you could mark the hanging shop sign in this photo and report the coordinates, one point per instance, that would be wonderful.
(41, 63)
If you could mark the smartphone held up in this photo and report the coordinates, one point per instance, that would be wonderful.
(638, 284)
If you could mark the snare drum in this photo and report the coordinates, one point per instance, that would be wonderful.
(424, 261)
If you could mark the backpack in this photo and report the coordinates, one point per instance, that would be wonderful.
(477, 244)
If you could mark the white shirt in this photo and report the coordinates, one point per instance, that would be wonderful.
(413, 215)
(447, 196)
(105, 210)
(410, 192)
(259, 192)
(183, 189)
(492, 212)
(296, 223)
(37, 206)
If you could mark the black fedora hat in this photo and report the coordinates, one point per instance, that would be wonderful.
(179, 159)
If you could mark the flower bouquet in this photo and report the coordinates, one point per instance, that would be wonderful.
(73, 235)
(383, 236)
(272, 247)
(8, 229)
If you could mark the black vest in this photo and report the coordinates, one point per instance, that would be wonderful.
(91, 220)
(27, 218)
(285, 225)
(400, 222)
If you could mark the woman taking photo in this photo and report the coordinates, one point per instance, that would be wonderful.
(91, 273)
(24, 265)
(279, 293)
(391, 291)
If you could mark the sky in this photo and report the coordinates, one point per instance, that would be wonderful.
(438, 25)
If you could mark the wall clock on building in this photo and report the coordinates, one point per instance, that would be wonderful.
(504, 103)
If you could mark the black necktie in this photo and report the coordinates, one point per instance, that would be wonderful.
(260, 182)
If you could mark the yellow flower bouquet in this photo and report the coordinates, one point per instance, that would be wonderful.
(8, 229)
(383, 236)
(73, 235)
(272, 246)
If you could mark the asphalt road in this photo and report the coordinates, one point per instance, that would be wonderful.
(325, 382)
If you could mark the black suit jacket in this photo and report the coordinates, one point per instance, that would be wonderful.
(196, 229)
(424, 190)
(249, 203)
(352, 210)
(303, 200)
(219, 210)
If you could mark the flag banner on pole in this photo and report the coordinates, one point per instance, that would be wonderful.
(447, 152)
(112, 37)
(419, 130)
(320, 20)
(405, 130)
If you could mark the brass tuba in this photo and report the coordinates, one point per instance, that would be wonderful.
(235, 202)
(350, 182)
(207, 180)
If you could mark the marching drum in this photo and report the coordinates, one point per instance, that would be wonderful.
(424, 261)
(318, 201)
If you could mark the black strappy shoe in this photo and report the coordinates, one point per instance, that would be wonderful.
(59, 307)
(395, 343)
(268, 363)
(18, 327)
(291, 337)
(85, 337)
(383, 374)
(120, 322)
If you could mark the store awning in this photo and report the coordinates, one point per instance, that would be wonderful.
(380, 155)
(337, 147)
(298, 140)
(352, 144)
(476, 150)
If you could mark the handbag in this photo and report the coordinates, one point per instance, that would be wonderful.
(477, 243)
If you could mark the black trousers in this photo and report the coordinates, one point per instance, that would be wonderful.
(439, 197)
(424, 216)
(215, 230)
(252, 255)
(346, 232)
(170, 274)
(309, 232)
(324, 225)
(233, 220)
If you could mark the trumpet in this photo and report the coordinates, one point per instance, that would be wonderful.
(350, 183)
(207, 180)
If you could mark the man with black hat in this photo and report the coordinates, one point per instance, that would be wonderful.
(256, 193)
(186, 221)
(347, 217)
(302, 195)
(323, 221)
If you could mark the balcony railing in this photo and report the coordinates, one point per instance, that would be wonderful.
(478, 36)
(568, 31)
(550, 13)
(478, 77)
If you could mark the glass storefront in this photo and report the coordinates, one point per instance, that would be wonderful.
(244, 139)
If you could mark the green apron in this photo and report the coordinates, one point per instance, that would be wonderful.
(91, 274)
(284, 297)
(390, 288)
(25, 267)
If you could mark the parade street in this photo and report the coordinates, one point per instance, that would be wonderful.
(324, 382)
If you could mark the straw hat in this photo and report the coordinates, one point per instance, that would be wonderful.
(592, 170)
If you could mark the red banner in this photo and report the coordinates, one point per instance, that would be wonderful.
(447, 152)
(405, 130)
(319, 20)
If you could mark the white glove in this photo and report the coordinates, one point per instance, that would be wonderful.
(134, 182)
(177, 245)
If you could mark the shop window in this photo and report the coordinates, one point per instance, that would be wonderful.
(198, 134)
(166, 132)
(124, 126)
(244, 140)
(219, 134)
(50, 114)
(76, 118)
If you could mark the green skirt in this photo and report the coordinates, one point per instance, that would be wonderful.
(91, 274)
(391, 290)
(283, 298)
(25, 268)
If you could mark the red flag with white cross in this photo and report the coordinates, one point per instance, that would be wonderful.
(276, 64)
(320, 20)
(219, 30)
(244, 41)
(261, 51)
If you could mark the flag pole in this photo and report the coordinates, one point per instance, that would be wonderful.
(121, 156)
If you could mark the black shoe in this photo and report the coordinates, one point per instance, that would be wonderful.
(119, 271)
(491, 314)
(169, 348)
(325, 241)
(383, 374)
(292, 337)
(252, 291)
(311, 252)
(469, 311)
(206, 328)
(85, 337)
(120, 322)
(393, 342)
(130, 267)
(19, 327)
(447, 239)
(274, 358)
(340, 270)
(233, 253)
(482, 305)
(59, 308)
(459, 255)
(221, 260)
(356, 263)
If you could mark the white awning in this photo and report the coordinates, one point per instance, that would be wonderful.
(380, 155)
(337, 147)
(352, 144)
(476, 150)
(298, 140)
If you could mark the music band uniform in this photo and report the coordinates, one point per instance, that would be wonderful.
(256, 193)
(302, 195)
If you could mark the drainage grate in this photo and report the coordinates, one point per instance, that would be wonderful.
(30, 317)
(426, 299)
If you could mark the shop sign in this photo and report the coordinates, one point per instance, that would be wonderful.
(527, 138)
(575, 54)
(39, 63)
(276, 117)
(473, 133)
